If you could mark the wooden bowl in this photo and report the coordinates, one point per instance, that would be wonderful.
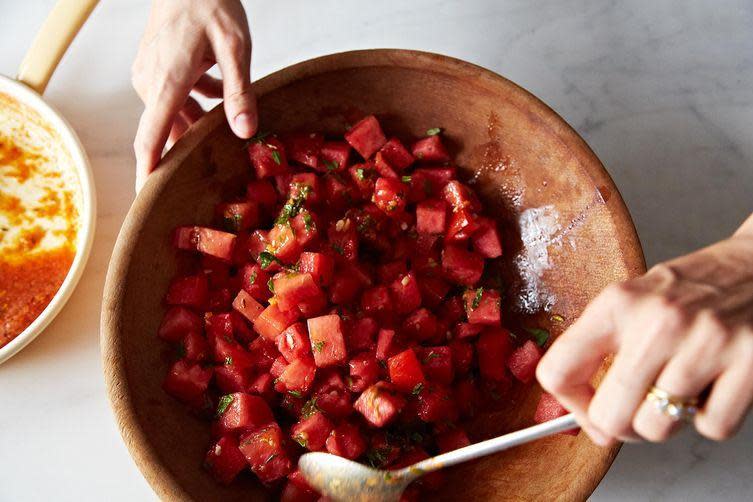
(568, 235)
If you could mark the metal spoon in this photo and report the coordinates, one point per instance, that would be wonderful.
(344, 480)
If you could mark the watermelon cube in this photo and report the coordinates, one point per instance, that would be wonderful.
(387, 344)
(294, 288)
(189, 291)
(261, 192)
(267, 157)
(405, 371)
(364, 371)
(178, 322)
(406, 295)
(430, 149)
(272, 321)
(390, 195)
(321, 266)
(523, 361)
(437, 363)
(346, 441)
(435, 404)
(265, 453)
(297, 377)
(379, 404)
(421, 325)
(395, 153)
(293, 343)
(327, 341)
(482, 306)
(311, 432)
(461, 266)
(239, 412)
(485, 239)
(304, 147)
(188, 383)
(376, 302)
(247, 306)
(431, 216)
(452, 439)
(224, 460)
(334, 156)
(366, 136)
(549, 409)
(493, 347)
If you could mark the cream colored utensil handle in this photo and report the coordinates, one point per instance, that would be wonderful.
(52, 40)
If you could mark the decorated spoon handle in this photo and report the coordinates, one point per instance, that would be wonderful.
(494, 445)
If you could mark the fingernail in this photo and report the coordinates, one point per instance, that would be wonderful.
(243, 125)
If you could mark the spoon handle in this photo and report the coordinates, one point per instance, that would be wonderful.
(561, 424)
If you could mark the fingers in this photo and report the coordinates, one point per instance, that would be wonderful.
(731, 395)
(191, 111)
(208, 86)
(566, 370)
(232, 51)
(180, 125)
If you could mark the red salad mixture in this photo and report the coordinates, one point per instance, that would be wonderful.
(339, 304)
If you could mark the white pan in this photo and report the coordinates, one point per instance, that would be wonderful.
(22, 103)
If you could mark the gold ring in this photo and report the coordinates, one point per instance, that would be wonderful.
(674, 407)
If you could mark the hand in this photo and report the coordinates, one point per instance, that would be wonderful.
(685, 326)
(182, 41)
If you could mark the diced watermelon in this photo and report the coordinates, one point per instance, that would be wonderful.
(321, 266)
(190, 291)
(383, 167)
(262, 192)
(396, 154)
(361, 335)
(346, 441)
(257, 243)
(390, 195)
(482, 306)
(436, 363)
(337, 192)
(452, 439)
(366, 136)
(390, 271)
(379, 404)
(305, 228)
(467, 330)
(272, 321)
(334, 156)
(485, 239)
(283, 244)
(293, 492)
(267, 157)
(461, 266)
(177, 322)
(405, 371)
(297, 377)
(431, 216)
(523, 361)
(430, 149)
(331, 394)
(242, 412)
(247, 305)
(195, 347)
(327, 341)
(264, 450)
(467, 397)
(406, 295)
(493, 347)
(435, 404)
(263, 386)
(312, 432)
(188, 383)
(364, 371)
(386, 344)
(230, 378)
(224, 460)
(427, 182)
(293, 343)
(433, 290)
(460, 196)
(376, 302)
(421, 325)
(462, 355)
(343, 238)
(293, 288)
(463, 223)
(549, 409)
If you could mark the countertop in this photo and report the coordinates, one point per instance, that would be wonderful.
(662, 91)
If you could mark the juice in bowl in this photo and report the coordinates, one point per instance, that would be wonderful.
(40, 208)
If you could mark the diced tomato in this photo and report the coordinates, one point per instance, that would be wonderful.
(452, 439)
(364, 371)
(436, 363)
(188, 383)
(297, 377)
(346, 441)
(549, 409)
(177, 322)
(293, 288)
(463, 223)
(242, 412)
(482, 306)
(486, 240)
(334, 156)
(224, 460)
(195, 347)
(376, 302)
(523, 361)
(461, 266)
(247, 305)
(272, 321)
(420, 325)
(431, 216)
(493, 347)
(462, 355)
(379, 404)
(366, 136)
(190, 291)
(264, 450)
(405, 371)
(304, 148)
(312, 432)
(430, 149)
(389, 195)
(460, 196)
(267, 157)
(327, 341)
(262, 192)
(293, 343)
(435, 404)
(396, 154)
(386, 344)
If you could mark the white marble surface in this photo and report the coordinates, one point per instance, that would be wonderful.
(662, 90)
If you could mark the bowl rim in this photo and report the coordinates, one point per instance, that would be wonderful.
(87, 218)
(114, 364)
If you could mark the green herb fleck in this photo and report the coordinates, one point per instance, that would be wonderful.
(338, 248)
(433, 131)
(294, 204)
(318, 345)
(295, 393)
(377, 457)
(271, 285)
(301, 440)
(432, 355)
(360, 174)
(308, 220)
(223, 404)
(477, 298)
(309, 408)
(266, 259)
(331, 165)
(252, 279)
(540, 336)
(276, 157)
(382, 363)
(406, 179)
(417, 389)
(228, 361)
(257, 138)
(233, 222)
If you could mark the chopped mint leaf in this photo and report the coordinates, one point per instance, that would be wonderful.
(540, 336)
(318, 345)
(276, 157)
(360, 174)
(417, 389)
(252, 279)
(339, 249)
(295, 393)
(477, 298)
(309, 408)
(331, 165)
(433, 131)
(406, 179)
(271, 285)
(223, 404)
(266, 259)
